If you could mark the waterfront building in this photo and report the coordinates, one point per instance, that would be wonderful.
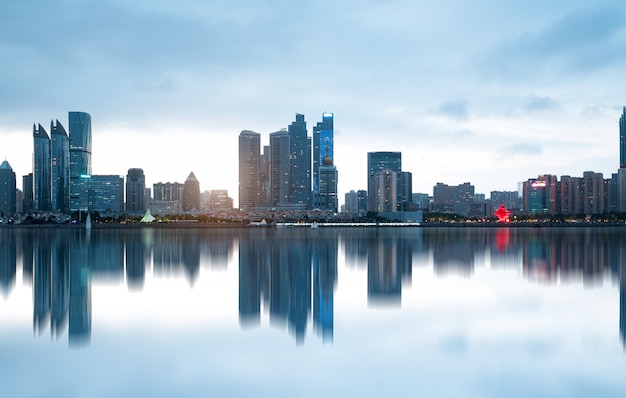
(453, 198)
(300, 159)
(593, 193)
(42, 173)
(80, 158)
(8, 190)
(265, 197)
(249, 175)
(351, 203)
(510, 199)
(327, 192)
(135, 191)
(191, 193)
(165, 207)
(60, 167)
(622, 139)
(168, 191)
(27, 187)
(280, 168)
(323, 146)
(105, 193)
(378, 161)
(219, 200)
(406, 188)
(383, 194)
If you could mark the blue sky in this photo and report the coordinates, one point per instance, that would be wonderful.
(488, 92)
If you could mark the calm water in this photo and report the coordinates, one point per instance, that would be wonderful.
(462, 312)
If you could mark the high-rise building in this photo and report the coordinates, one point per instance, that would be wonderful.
(60, 168)
(378, 161)
(327, 193)
(80, 157)
(300, 162)
(323, 143)
(622, 139)
(8, 190)
(249, 181)
(219, 200)
(191, 193)
(167, 191)
(453, 198)
(351, 203)
(406, 189)
(27, 187)
(264, 177)
(280, 168)
(383, 194)
(135, 191)
(42, 177)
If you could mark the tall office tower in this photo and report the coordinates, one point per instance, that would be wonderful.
(27, 187)
(168, 191)
(300, 162)
(80, 158)
(383, 194)
(191, 193)
(453, 198)
(249, 153)
(135, 191)
(8, 190)
(42, 193)
(622, 140)
(406, 189)
(361, 197)
(377, 161)
(351, 203)
(323, 143)
(60, 157)
(280, 168)
(264, 177)
(593, 193)
(327, 193)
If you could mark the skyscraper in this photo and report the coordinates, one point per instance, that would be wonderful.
(280, 168)
(7, 189)
(323, 143)
(42, 193)
(249, 176)
(27, 186)
(300, 162)
(80, 157)
(60, 168)
(378, 161)
(622, 139)
(135, 191)
(191, 193)
(326, 197)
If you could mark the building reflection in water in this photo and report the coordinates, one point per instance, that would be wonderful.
(291, 274)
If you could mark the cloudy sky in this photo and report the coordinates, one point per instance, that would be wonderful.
(486, 91)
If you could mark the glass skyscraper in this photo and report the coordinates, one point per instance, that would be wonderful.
(42, 193)
(280, 168)
(7, 190)
(300, 162)
(80, 157)
(135, 191)
(60, 168)
(323, 142)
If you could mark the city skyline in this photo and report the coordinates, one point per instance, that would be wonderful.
(507, 91)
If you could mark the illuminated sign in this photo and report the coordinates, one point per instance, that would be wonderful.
(539, 184)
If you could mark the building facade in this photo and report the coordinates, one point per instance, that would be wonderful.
(60, 168)
(280, 168)
(323, 146)
(300, 159)
(378, 161)
(80, 158)
(42, 173)
(8, 190)
(135, 191)
(249, 173)
(191, 193)
(622, 139)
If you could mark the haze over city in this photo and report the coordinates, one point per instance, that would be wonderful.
(485, 92)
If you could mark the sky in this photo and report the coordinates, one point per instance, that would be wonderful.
(487, 92)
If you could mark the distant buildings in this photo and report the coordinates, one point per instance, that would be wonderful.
(191, 193)
(384, 169)
(289, 174)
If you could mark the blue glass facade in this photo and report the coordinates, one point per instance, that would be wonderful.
(323, 142)
(622, 139)
(7, 189)
(80, 155)
(60, 165)
(42, 193)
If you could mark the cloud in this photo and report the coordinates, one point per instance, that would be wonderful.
(537, 104)
(456, 109)
(521, 148)
(583, 40)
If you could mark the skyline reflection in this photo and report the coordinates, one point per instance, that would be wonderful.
(291, 275)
